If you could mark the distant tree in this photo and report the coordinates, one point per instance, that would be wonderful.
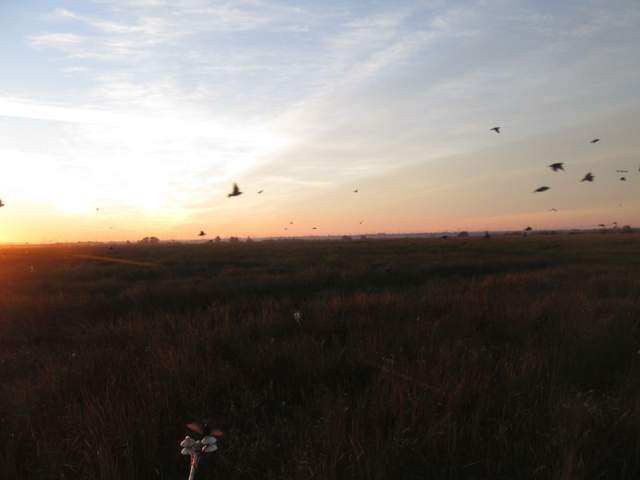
(218, 239)
(234, 240)
(150, 240)
(363, 237)
(248, 240)
(486, 235)
(463, 234)
(626, 229)
(346, 237)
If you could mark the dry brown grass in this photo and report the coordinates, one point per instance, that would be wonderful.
(502, 358)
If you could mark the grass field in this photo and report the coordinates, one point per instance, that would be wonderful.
(504, 358)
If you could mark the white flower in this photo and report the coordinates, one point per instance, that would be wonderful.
(187, 442)
(297, 316)
(209, 440)
(195, 449)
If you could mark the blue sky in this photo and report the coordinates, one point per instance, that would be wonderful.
(150, 109)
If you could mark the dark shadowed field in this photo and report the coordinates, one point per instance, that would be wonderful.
(504, 358)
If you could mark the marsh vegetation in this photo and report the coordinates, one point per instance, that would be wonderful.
(465, 358)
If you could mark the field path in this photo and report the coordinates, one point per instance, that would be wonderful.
(117, 260)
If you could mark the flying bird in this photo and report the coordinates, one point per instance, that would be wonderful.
(588, 177)
(1, 203)
(544, 188)
(361, 222)
(204, 429)
(201, 234)
(496, 129)
(314, 228)
(553, 209)
(595, 140)
(260, 191)
(557, 166)
(602, 225)
(528, 229)
(290, 223)
(235, 192)
(623, 179)
(355, 191)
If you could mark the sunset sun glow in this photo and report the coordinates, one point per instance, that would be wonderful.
(123, 119)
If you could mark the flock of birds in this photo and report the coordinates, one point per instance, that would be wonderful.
(556, 167)
(559, 166)
(588, 177)
(236, 192)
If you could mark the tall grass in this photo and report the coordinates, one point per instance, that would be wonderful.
(508, 358)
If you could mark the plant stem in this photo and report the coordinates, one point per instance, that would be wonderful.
(195, 459)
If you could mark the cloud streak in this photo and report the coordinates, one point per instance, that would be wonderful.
(163, 103)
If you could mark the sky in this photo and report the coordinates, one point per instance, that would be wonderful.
(129, 118)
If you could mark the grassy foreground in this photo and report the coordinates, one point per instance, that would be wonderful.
(468, 358)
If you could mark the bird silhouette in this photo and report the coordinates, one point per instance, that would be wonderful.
(260, 191)
(528, 229)
(1, 203)
(314, 228)
(235, 192)
(361, 222)
(201, 234)
(557, 166)
(588, 177)
(355, 191)
(544, 188)
(595, 140)
(553, 209)
(496, 129)
(290, 223)
(623, 179)
(204, 429)
(601, 225)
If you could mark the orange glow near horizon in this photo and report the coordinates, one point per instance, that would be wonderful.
(123, 120)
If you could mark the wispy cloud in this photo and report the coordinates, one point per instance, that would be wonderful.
(131, 31)
(167, 101)
(62, 41)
